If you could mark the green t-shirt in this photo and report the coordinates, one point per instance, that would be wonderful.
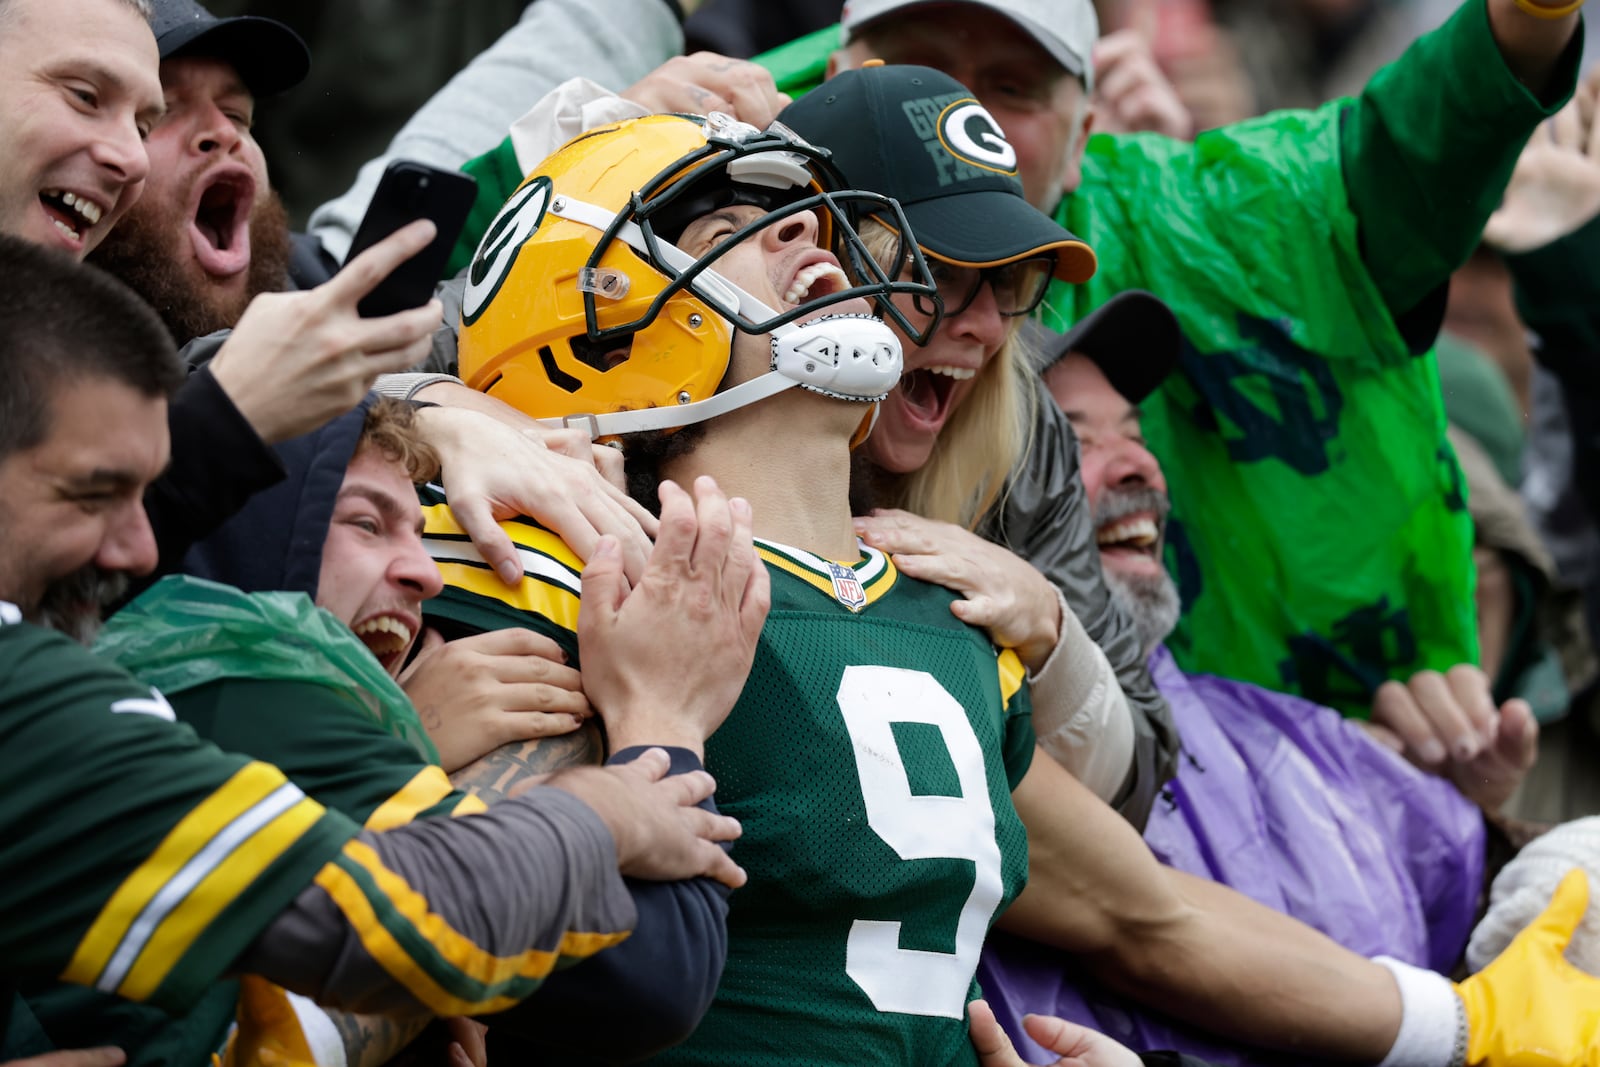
(141, 860)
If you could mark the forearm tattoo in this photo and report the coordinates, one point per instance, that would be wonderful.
(497, 775)
(372, 1040)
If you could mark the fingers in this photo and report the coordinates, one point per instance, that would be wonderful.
(528, 700)
(1427, 713)
(608, 461)
(687, 790)
(477, 519)
(994, 1048)
(573, 444)
(652, 765)
(719, 867)
(715, 524)
(361, 275)
(675, 542)
(514, 641)
(1470, 692)
(1517, 741)
(394, 336)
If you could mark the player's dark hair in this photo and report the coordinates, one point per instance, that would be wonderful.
(62, 321)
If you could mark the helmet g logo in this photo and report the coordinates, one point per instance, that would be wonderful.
(971, 133)
(517, 221)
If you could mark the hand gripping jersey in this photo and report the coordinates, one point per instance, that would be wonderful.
(870, 760)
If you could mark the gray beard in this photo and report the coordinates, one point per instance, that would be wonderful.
(75, 605)
(1151, 601)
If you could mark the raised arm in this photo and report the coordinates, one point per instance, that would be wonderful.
(1428, 146)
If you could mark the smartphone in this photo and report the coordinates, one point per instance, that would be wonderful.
(408, 191)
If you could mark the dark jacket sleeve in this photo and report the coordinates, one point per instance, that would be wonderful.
(218, 463)
(1045, 520)
(662, 978)
(1428, 147)
(1558, 297)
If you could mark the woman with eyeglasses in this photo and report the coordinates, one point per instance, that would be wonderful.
(950, 438)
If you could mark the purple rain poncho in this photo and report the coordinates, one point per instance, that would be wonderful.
(1290, 804)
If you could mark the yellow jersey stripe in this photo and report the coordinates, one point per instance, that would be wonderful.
(430, 786)
(1012, 673)
(249, 786)
(440, 522)
(249, 856)
(459, 951)
(560, 606)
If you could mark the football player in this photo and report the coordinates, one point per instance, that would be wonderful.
(696, 288)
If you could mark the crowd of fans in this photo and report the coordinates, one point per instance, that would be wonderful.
(956, 539)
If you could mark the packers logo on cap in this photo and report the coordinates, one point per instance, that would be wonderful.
(971, 134)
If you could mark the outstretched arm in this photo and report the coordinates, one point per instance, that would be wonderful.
(1193, 948)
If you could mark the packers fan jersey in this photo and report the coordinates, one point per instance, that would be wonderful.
(138, 860)
(871, 760)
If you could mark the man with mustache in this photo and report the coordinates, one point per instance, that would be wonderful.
(147, 864)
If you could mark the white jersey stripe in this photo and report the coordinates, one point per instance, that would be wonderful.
(534, 564)
(178, 887)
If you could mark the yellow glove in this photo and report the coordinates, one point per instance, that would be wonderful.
(1530, 1007)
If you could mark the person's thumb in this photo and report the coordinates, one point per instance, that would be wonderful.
(1567, 907)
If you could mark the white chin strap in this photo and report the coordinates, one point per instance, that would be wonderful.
(845, 356)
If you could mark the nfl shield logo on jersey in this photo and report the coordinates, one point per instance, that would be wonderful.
(847, 587)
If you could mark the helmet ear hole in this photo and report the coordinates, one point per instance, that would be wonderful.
(602, 355)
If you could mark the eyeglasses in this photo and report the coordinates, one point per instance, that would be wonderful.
(1019, 286)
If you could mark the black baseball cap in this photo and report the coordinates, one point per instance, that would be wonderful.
(917, 135)
(1134, 338)
(268, 55)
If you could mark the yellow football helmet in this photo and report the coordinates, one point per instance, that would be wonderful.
(580, 308)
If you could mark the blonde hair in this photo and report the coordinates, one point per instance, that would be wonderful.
(968, 471)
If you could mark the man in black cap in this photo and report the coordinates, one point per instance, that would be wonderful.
(209, 233)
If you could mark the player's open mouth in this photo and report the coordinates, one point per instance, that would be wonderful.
(387, 637)
(815, 282)
(73, 214)
(221, 229)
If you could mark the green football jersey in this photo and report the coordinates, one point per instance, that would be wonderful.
(140, 860)
(870, 761)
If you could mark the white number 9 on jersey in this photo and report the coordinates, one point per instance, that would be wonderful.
(901, 980)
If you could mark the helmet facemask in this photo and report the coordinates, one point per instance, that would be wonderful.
(845, 355)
